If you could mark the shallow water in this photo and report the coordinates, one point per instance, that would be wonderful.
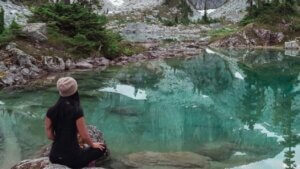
(240, 108)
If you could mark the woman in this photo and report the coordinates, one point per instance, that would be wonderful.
(63, 122)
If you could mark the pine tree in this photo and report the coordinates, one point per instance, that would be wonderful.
(2, 24)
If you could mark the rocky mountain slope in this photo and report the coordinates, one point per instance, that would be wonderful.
(211, 4)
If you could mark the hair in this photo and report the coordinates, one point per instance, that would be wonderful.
(64, 106)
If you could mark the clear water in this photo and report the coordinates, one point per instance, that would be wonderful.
(240, 108)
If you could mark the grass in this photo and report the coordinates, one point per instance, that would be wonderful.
(222, 32)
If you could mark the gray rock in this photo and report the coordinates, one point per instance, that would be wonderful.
(25, 72)
(211, 4)
(250, 37)
(174, 160)
(54, 64)
(3, 68)
(69, 64)
(36, 31)
(42, 162)
(292, 45)
(103, 61)
(84, 65)
(233, 11)
(8, 79)
(22, 58)
(14, 12)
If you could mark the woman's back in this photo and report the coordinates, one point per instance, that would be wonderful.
(63, 116)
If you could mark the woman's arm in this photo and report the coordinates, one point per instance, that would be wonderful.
(84, 134)
(49, 129)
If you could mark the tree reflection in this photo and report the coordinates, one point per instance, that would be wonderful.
(261, 77)
(253, 101)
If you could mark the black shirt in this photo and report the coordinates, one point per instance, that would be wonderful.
(63, 120)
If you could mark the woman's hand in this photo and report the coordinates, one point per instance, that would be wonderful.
(99, 145)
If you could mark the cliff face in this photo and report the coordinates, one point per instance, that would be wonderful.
(211, 4)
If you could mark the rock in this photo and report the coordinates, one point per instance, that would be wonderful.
(268, 36)
(292, 45)
(102, 61)
(25, 72)
(249, 37)
(54, 64)
(36, 31)
(14, 12)
(23, 59)
(3, 68)
(211, 4)
(42, 162)
(233, 11)
(70, 64)
(8, 79)
(174, 160)
(219, 152)
(83, 65)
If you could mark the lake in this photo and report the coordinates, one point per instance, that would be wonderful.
(240, 108)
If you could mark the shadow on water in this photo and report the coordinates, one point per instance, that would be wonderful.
(239, 108)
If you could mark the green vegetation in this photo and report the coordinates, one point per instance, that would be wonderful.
(81, 31)
(265, 12)
(10, 33)
(182, 17)
(222, 32)
(2, 24)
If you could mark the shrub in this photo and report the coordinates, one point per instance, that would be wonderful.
(10, 33)
(79, 28)
(269, 13)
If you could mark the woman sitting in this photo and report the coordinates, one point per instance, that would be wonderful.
(63, 122)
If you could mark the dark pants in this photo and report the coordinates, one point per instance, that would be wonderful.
(81, 160)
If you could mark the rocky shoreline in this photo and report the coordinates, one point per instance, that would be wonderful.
(19, 69)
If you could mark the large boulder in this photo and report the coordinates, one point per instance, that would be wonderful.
(84, 65)
(292, 45)
(42, 160)
(250, 36)
(54, 64)
(42, 163)
(36, 31)
(14, 12)
(173, 160)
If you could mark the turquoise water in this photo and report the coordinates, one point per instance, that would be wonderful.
(240, 108)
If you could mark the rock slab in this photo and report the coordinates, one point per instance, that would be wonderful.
(42, 162)
(174, 160)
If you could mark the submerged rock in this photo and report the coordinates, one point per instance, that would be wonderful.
(219, 152)
(42, 162)
(174, 160)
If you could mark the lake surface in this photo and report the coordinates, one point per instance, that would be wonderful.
(240, 108)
